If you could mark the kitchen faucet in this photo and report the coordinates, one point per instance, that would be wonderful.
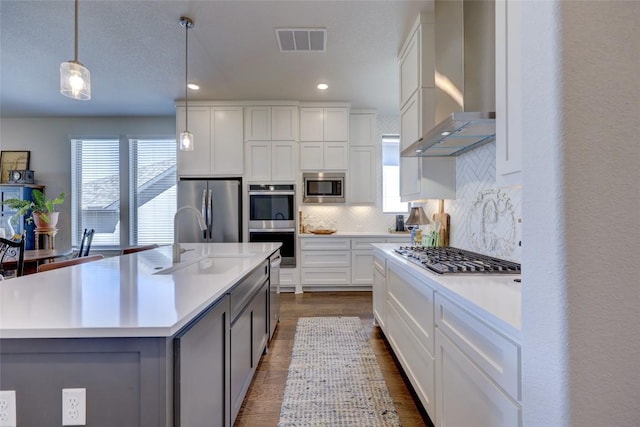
(176, 244)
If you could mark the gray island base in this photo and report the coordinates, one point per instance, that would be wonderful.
(190, 367)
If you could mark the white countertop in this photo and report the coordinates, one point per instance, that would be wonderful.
(121, 296)
(494, 298)
(358, 234)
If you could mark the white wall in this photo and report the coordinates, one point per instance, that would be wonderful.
(48, 139)
(581, 204)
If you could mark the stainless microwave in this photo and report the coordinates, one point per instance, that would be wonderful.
(323, 187)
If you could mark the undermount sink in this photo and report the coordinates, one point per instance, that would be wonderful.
(216, 263)
(231, 255)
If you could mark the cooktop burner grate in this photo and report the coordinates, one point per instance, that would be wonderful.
(447, 260)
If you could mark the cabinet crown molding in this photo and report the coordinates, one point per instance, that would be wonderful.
(218, 103)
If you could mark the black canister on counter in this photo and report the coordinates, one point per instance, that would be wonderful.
(399, 222)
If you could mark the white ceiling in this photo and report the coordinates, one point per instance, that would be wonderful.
(135, 52)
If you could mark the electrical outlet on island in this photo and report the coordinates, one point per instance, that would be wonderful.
(8, 408)
(74, 409)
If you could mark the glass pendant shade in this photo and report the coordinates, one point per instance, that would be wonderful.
(186, 141)
(75, 81)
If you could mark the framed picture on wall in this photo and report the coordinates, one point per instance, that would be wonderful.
(13, 160)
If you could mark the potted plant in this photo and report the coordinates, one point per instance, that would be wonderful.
(42, 209)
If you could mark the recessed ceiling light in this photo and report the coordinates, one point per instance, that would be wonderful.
(323, 86)
(193, 86)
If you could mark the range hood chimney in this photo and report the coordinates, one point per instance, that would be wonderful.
(465, 80)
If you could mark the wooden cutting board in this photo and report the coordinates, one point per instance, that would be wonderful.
(445, 222)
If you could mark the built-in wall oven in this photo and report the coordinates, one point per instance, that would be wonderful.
(272, 218)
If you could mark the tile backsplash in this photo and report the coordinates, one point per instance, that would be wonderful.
(484, 218)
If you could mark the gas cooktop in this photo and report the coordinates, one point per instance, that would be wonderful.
(448, 260)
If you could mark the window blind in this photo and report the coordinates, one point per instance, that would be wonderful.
(95, 190)
(391, 175)
(152, 192)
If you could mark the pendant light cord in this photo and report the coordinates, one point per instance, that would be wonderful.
(186, 77)
(76, 33)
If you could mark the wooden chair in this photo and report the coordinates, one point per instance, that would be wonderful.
(12, 251)
(134, 249)
(68, 262)
(85, 244)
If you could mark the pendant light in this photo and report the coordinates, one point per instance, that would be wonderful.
(186, 137)
(75, 80)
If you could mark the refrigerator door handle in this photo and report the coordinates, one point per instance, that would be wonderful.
(210, 219)
(204, 211)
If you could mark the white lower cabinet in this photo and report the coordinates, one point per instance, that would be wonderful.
(361, 272)
(379, 290)
(325, 261)
(409, 329)
(464, 370)
(362, 257)
(327, 276)
(339, 261)
(466, 396)
(478, 377)
(288, 278)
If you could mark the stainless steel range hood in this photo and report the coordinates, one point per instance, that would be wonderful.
(459, 133)
(464, 43)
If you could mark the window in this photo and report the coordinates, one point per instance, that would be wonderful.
(391, 176)
(95, 184)
(152, 191)
(147, 184)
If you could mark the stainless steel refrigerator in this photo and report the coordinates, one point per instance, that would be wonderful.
(219, 201)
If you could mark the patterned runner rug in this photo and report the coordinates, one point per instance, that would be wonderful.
(334, 378)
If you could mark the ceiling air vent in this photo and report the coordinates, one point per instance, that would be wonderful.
(302, 39)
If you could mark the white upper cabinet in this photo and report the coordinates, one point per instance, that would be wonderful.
(417, 58)
(363, 158)
(508, 94)
(363, 176)
(318, 156)
(311, 124)
(271, 153)
(324, 137)
(226, 147)
(270, 161)
(409, 69)
(271, 123)
(336, 124)
(284, 161)
(196, 162)
(218, 134)
(362, 129)
(324, 124)
(284, 123)
(421, 177)
(257, 123)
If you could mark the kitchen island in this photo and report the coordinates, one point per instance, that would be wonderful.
(149, 341)
(457, 337)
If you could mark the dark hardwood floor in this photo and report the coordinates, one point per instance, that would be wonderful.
(262, 404)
